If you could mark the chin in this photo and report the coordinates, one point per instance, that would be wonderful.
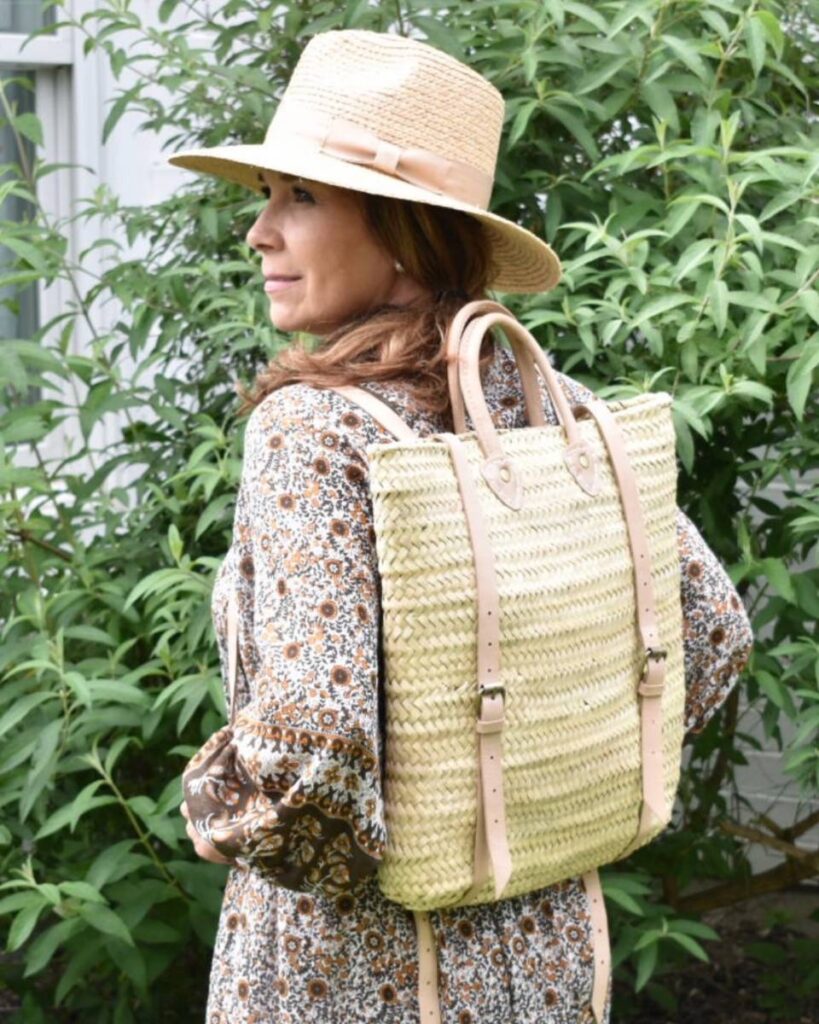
(289, 324)
(282, 322)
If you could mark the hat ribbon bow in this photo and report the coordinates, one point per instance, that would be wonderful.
(346, 140)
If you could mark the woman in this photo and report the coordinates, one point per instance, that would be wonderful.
(377, 169)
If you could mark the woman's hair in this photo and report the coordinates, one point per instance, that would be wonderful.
(445, 251)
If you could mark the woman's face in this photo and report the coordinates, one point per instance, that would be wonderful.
(314, 236)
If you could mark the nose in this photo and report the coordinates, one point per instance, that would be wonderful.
(263, 233)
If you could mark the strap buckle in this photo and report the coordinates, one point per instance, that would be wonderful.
(645, 688)
(493, 690)
(490, 725)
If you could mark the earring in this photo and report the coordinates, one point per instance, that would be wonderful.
(399, 268)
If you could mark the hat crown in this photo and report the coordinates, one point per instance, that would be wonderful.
(404, 91)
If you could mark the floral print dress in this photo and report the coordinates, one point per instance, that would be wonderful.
(292, 790)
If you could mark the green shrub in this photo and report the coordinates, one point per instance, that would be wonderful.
(674, 145)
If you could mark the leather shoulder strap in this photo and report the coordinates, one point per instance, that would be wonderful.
(379, 410)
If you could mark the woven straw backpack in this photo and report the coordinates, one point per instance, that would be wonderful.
(532, 632)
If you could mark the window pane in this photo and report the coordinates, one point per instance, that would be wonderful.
(18, 302)
(24, 15)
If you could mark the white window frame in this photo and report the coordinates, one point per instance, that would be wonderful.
(67, 139)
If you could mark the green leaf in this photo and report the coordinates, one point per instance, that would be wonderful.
(83, 891)
(690, 945)
(574, 125)
(91, 633)
(753, 389)
(117, 747)
(593, 81)
(131, 961)
(70, 814)
(646, 962)
(21, 708)
(114, 863)
(23, 925)
(213, 512)
(623, 899)
(772, 29)
(440, 35)
(777, 573)
(529, 60)
(773, 688)
(799, 380)
(755, 37)
(30, 126)
(754, 229)
(43, 948)
(119, 107)
(626, 13)
(695, 928)
(586, 13)
(660, 305)
(661, 103)
(686, 51)
(18, 900)
(692, 257)
(106, 921)
(30, 253)
(718, 299)
(521, 122)
(809, 301)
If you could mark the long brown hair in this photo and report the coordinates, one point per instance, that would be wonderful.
(445, 251)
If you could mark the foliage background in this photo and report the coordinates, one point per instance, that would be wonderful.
(676, 145)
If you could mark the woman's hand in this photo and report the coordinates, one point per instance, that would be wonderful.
(202, 846)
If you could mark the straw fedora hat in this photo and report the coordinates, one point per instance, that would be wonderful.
(391, 116)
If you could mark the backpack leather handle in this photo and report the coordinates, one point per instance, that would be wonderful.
(497, 469)
(531, 392)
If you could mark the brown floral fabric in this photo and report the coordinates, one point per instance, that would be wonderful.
(292, 790)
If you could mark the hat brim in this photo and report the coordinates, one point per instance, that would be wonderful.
(524, 262)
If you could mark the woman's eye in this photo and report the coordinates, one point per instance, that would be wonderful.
(301, 194)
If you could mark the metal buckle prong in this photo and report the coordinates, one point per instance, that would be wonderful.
(651, 690)
(655, 653)
(493, 690)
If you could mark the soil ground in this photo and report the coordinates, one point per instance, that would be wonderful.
(737, 987)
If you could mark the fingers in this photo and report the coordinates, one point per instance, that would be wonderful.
(202, 847)
(183, 809)
(208, 852)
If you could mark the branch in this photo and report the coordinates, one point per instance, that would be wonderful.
(29, 538)
(803, 826)
(787, 874)
(775, 843)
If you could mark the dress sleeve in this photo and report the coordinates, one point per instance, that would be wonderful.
(293, 787)
(717, 637)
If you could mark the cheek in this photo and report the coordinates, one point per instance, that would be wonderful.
(348, 275)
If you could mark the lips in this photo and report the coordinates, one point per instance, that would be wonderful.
(277, 283)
